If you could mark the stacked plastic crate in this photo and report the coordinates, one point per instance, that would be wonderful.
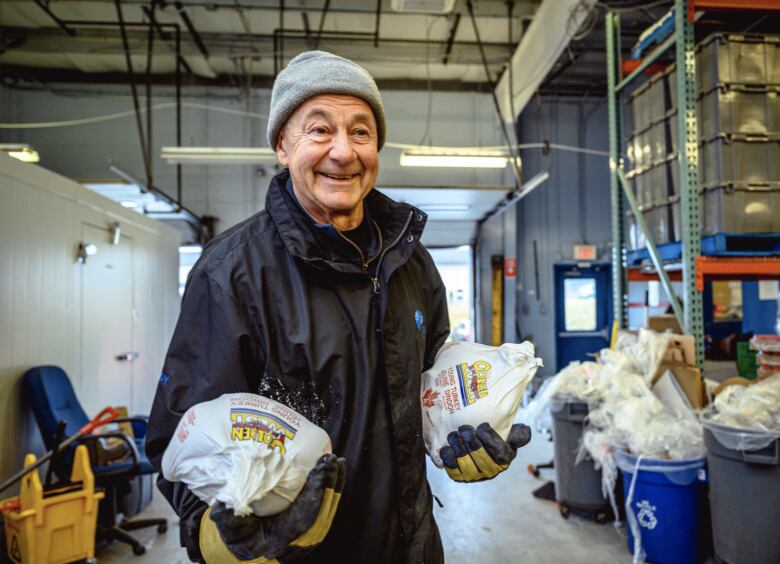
(738, 117)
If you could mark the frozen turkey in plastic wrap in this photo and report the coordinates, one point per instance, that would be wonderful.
(249, 452)
(470, 384)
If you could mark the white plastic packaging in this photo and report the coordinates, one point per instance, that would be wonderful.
(247, 451)
(470, 384)
(746, 418)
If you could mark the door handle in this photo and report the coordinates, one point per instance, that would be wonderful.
(127, 357)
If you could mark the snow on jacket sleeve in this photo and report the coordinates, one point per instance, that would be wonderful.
(213, 351)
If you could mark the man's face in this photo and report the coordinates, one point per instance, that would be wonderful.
(329, 144)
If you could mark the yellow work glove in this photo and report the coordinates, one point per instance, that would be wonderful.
(226, 538)
(481, 454)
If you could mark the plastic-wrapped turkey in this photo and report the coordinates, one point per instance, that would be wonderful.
(249, 452)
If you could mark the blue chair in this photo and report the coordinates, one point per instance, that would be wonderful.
(49, 394)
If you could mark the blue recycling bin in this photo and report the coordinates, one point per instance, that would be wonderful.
(667, 504)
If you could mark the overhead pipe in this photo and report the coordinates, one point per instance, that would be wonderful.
(325, 9)
(148, 80)
(60, 23)
(451, 39)
(513, 197)
(180, 62)
(188, 215)
(376, 26)
(129, 62)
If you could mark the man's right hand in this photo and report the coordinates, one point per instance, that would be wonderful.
(301, 526)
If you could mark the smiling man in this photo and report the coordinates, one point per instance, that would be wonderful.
(327, 302)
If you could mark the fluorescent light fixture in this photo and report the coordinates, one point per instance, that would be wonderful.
(24, 153)
(191, 249)
(454, 160)
(224, 155)
(443, 207)
(129, 204)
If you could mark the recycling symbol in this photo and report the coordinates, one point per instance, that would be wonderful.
(16, 554)
(646, 515)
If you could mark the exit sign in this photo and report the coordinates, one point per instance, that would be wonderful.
(584, 252)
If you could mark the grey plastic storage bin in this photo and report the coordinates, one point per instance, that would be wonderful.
(673, 166)
(641, 107)
(740, 58)
(650, 185)
(634, 238)
(730, 209)
(740, 159)
(744, 497)
(741, 209)
(739, 109)
(659, 222)
(577, 486)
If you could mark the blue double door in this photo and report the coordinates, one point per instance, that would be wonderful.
(583, 310)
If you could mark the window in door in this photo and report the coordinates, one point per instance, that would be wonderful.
(579, 296)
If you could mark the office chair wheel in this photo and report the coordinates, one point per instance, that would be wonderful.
(162, 528)
(533, 470)
(139, 549)
(564, 511)
(601, 517)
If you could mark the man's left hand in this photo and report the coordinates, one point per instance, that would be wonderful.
(481, 454)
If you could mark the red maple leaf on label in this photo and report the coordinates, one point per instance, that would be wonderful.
(429, 397)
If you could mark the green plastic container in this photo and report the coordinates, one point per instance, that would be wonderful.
(746, 361)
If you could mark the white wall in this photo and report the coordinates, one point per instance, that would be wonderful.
(234, 192)
(41, 303)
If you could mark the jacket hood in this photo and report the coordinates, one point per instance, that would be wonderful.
(398, 222)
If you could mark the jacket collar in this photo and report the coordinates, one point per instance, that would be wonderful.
(401, 226)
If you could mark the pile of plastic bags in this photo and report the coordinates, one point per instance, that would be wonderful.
(624, 413)
(755, 407)
(746, 417)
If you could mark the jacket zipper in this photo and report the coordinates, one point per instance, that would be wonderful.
(363, 261)
(375, 279)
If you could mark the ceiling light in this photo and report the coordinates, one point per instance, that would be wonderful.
(129, 204)
(22, 152)
(423, 6)
(225, 155)
(444, 160)
(191, 249)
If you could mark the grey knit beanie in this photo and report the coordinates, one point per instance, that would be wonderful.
(317, 72)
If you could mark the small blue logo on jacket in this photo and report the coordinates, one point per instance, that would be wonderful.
(419, 321)
(164, 378)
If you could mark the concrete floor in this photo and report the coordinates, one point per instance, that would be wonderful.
(498, 521)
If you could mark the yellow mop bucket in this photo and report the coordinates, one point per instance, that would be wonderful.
(56, 526)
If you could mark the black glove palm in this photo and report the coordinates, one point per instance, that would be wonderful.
(481, 454)
(302, 525)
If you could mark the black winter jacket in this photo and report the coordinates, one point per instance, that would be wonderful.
(276, 308)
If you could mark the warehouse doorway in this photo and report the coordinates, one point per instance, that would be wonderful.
(583, 310)
(455, 268)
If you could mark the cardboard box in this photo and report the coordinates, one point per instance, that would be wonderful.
(662, 323)
(682, 348)
(688, 378)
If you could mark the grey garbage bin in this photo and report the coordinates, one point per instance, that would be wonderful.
(744, 494)
(577, 486)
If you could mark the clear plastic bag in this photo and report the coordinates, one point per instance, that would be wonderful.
(247, 451)
(470, 384)
(754, 407)
(741, 440)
